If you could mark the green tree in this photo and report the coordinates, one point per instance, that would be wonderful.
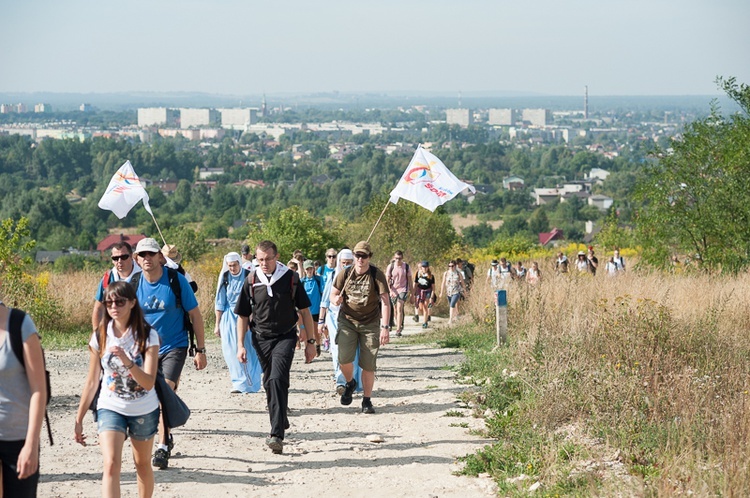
(694, 197)
(294, 228)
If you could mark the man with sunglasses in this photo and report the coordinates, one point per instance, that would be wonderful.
(363, 294)
(159, 304)
(124, 268)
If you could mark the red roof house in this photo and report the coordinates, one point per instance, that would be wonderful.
(547, 237)
(110, 240)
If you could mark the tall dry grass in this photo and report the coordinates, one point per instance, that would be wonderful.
(655, 364)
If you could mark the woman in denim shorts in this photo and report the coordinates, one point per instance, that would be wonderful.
(124, 355)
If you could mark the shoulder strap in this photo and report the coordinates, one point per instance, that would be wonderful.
(135, 281)
(107, 278)
(15, 322)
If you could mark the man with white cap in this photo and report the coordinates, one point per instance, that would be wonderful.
(165, 312)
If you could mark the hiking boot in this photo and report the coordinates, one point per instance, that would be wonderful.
(340, 388)
(416, 318)
(276, 444)
(398, 333)
(161, 459)
(346, 397)
(424, 325)
(170, 444)
(367, 407)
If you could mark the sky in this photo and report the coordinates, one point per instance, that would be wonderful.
(248, 47)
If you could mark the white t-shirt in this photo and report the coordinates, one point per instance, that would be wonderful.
(120, 391)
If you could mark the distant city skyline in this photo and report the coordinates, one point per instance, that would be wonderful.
(239, 47)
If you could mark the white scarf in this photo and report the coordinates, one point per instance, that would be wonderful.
(263, 280)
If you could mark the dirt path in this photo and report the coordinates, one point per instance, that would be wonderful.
(328, 452)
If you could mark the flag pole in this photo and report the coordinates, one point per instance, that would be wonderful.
(159, 229)
(379, 218)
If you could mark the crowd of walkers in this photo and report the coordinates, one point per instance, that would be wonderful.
(146, 323)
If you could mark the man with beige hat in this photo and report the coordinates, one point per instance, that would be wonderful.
(363, 294)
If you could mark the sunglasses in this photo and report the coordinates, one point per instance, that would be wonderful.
(119, 302)
(451, 266)
(361, 256)
(330, 255)
(150, 254)
(121, 257)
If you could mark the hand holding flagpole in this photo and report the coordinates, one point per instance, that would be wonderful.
(123, 192)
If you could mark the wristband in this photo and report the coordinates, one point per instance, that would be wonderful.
(132, 364)
(311, 341)
(320, 322)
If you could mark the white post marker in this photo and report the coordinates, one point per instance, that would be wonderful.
(501, 316)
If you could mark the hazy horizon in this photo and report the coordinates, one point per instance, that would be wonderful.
(240, 48)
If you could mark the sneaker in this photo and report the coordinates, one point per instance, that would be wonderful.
(161, 459)
(346, 397)
(326, 345)
(340, 388)
(424, 325)
(367, 407)
(398, 333)
(317, 350)
(170, 444)
(276, 444)
(416, 318)
(429, 318)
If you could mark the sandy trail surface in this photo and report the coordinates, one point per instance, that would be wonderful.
(330, 450)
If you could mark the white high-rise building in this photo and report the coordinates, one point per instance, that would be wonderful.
(538, 117)
(238, 119)
(461, 117)
(502, 117)
(195, 118)
(156, 116)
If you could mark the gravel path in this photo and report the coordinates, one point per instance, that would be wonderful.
(330, 450)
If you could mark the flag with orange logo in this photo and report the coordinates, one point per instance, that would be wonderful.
(124, 191)
(428, 182)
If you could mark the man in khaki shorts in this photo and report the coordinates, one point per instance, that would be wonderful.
(363, 294)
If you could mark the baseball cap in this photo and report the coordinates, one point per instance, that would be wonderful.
(363, 247)
(147, 245)
(494, 262)
(308, 264)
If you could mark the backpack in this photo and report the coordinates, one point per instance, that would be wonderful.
(15, 322)
(225, 277)
(107, 279)
(174, 284)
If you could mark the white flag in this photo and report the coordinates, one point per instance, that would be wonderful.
(428, 182)
(123, 192)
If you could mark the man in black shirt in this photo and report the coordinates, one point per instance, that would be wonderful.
(271, 295)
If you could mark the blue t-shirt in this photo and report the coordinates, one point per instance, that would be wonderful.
(314, 289)
(160, 309)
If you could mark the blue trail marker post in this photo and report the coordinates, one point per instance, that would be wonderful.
(501, 316)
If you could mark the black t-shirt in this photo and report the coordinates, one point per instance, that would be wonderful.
(276, 315)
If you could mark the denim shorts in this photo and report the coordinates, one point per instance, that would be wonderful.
(139, 427)
(452, 300)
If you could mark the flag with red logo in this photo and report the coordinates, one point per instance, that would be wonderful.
(124, 191)
(428, 182)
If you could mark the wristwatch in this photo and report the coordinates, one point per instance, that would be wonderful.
(386, 327)
(311, 341)
(200, 350)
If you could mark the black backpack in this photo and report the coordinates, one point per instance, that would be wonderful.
(15, 322)
(174, 284)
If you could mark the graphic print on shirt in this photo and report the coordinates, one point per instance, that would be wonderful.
(358, 291)
(153, 303)
(120, 382)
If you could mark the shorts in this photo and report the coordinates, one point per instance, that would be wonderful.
(424, 295)
(453, 300)
(316, 318)
(366, 336)
(171, 364)
(401, 296)
(138, 427)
